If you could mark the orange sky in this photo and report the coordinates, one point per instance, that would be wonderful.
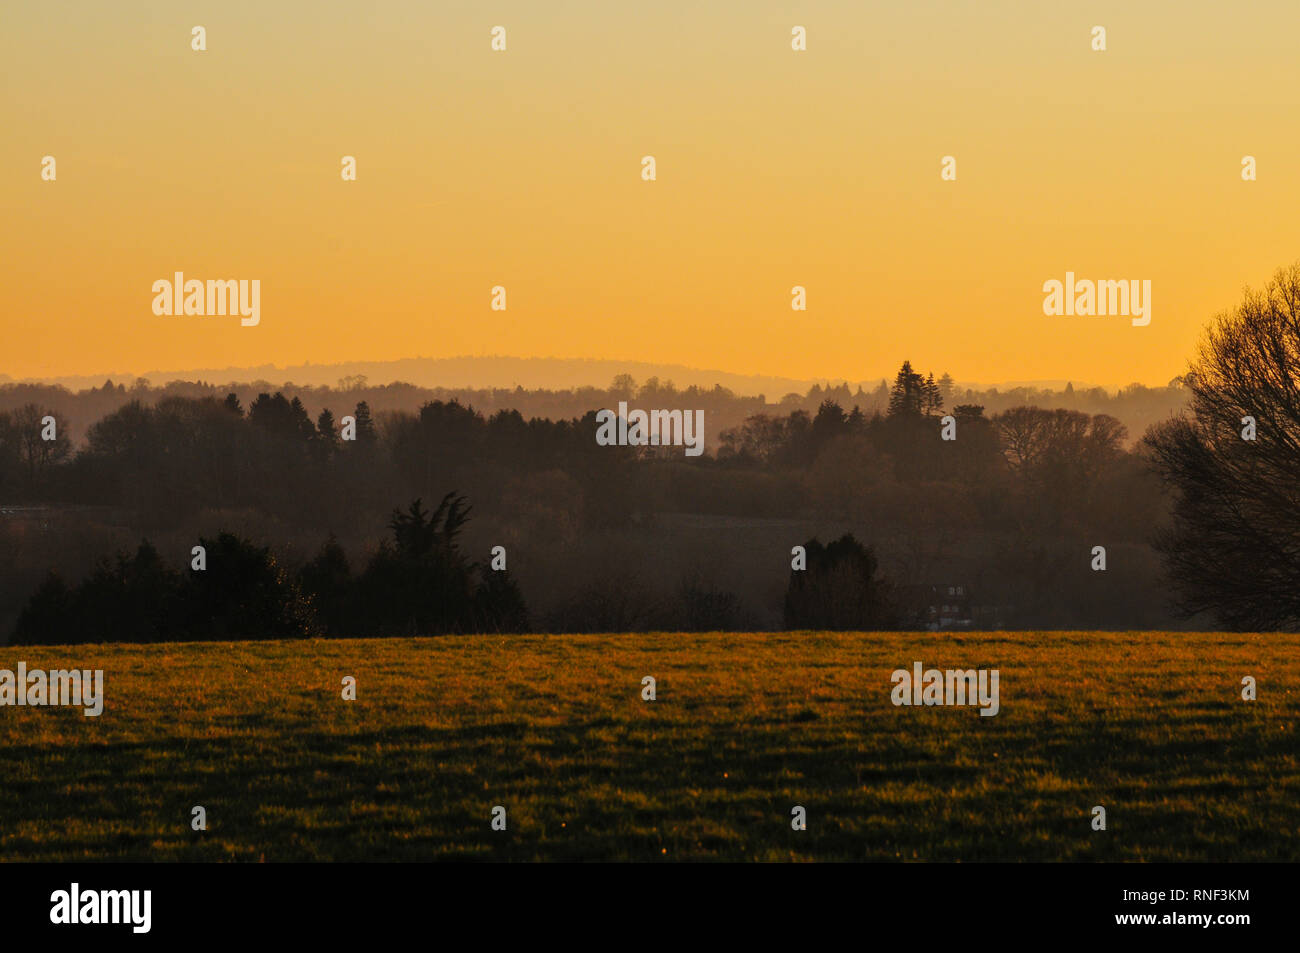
(775, 168)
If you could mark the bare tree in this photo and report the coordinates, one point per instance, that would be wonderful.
(1051, 445)
(1234, 545)
(41, 443)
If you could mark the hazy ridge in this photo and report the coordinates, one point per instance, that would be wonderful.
(500, 371)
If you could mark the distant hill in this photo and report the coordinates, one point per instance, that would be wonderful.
(497, 371)
(485, 372)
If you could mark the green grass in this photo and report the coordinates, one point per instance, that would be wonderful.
(1149, 725)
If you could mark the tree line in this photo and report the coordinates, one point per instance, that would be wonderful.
(1196, 518)
(182, 468)
(419, 582)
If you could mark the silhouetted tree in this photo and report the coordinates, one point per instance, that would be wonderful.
(499, 605)
(243, 594)
(48, 619)
(327, 435)
(947, 388)
(703, 607)
(327, 582)
(421, 583)
(839, 590)
(367, 436)
(907, 396)
(1233, 549)
(931, 397)
(37, 454)
(830, 422)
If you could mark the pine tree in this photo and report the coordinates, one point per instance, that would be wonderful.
(366, 433)
(947, 388)
(302, 424)
(327, 434)
(931, 399)
(905, 398)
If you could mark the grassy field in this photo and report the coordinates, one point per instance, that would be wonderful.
(1149, 725)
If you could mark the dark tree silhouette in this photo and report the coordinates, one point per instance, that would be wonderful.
(243, 594)
(37, 454)
(907, 396)
(327, 435)
(419, 584)
(839, 590)
(931, 396)
(366, 434)
(47, 619)
(1233, 548)
(327, 581)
